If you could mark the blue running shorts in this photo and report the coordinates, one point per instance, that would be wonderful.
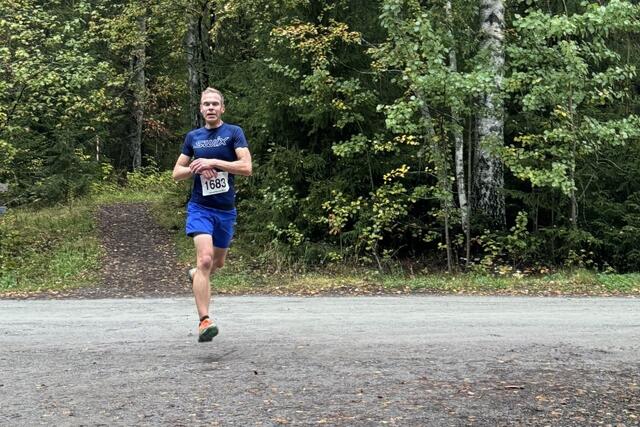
(218, 223)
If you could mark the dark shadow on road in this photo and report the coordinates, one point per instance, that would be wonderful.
(215, 358)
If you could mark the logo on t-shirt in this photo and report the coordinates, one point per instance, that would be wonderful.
(210, 143)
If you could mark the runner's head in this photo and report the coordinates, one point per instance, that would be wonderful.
(212, 90)
(212, 107)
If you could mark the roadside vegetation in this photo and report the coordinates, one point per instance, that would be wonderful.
(48, 248)
(392, 141)
(58, 247)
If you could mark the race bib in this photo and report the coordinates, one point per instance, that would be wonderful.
(217, 185)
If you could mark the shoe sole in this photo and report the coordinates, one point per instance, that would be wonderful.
(190, 273)
(208, 334)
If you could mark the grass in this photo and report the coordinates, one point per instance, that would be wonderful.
(58, 248)
(53, 248)
(573, 283)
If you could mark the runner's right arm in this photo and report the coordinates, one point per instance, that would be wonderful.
(181, 170)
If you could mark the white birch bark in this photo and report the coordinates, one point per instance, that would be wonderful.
(489, 178)
(459, 141)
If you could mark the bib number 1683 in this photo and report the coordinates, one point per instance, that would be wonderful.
(217, 185)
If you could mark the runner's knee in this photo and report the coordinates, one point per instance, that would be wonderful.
(205, 262)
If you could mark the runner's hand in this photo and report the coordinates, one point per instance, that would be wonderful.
(198, 166)
(209, 173)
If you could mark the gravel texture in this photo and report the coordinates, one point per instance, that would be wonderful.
(362, 361)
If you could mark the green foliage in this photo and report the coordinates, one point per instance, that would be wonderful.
(564, 76)
(429, 115)
(116, 32)
(51, 99)
(150, 178)
(149, 184)
(572, 91)
(517, 249)
(352, 110)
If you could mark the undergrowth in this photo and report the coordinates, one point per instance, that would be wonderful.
(58, 247)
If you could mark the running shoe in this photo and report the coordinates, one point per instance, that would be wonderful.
(191, 272)
(207, 330)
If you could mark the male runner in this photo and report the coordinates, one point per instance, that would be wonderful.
(219, 151)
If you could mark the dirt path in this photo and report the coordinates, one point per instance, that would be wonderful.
(139, 258)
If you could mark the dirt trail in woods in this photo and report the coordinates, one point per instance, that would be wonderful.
(139, 259)
(139, 256)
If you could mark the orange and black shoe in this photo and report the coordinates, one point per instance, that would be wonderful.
(207, 330)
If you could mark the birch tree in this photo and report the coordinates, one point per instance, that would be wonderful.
(459, 142)
(422, 53)
(488, 198)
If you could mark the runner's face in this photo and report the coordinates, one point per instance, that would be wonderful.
(211, 109)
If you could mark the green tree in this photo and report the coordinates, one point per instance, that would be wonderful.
(567, 81)
(52, 98)
(419, 52)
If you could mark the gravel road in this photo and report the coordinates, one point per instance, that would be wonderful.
(361, 361)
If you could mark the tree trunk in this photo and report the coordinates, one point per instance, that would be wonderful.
(138, 62)
(198, 47)
(440, 158)
(574, 200)
(469, 185)
(459, 141)
(447, 203)
(489, 178)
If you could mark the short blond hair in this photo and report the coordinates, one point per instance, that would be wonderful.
(213, 90)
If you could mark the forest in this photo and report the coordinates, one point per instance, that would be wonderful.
(448, 134)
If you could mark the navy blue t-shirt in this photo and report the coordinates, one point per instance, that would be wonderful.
(219, 143)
